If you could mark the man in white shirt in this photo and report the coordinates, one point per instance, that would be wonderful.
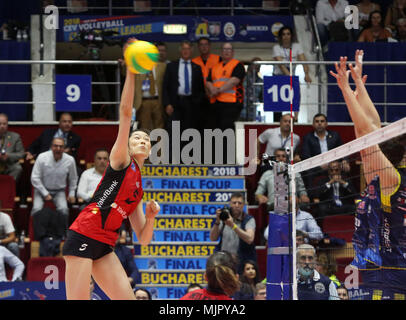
(91, 177)
(6, 256)
(7, 234)
(49, 178)
(329, 12)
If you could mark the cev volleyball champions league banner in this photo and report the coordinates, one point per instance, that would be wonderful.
(150, 28)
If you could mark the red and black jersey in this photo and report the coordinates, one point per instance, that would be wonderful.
(115, 198)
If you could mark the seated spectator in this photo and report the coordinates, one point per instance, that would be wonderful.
(277, 138)
(260, 291)
(375, 30)
(396, 11)
(142, 294)
(319, 141)
(343, 293)
(335, 195)
(311, 284)
(330, 16)
(90, 178)
(49, 177)
(401, 30)
(11, 150)
(64, 131)
(301, 238)
(126, 258)
(327, 266)
(193, 286)
(221, 276)
(236, 232)
(249, 278)
(266, 185)
(7, 234)
(6, 256)
(365, 7)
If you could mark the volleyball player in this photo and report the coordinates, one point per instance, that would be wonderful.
(385, 193)
(88, 250)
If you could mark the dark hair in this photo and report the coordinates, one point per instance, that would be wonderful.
(203, 38)
(64, 113)
(237, 195)
(328, 262)
(292, 37)
(160, 43)
(221, 273)
(145, 290)
(280, 149)
(319, 115)
(147, 131)
(394, 149)
(257, 275)
(100, 150)
(369, 24)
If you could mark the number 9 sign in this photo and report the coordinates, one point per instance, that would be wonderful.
(73, 93)
(277, 93)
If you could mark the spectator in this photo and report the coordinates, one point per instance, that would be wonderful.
(225, 88)
(319, 141)
(221, 276)
(236, 231)
(253, 93)
(148, 98)
(183, 90)
(64, 131)
(401, 30)
(343, 293)
(266, 184)
(126, 258)
(249, 278)
(334, 195)
(49, 178)
(162, 48)
(260, 291)
(311, 284)
(90, 178)
(327, 266)
(330, 18)
(11, 150)
(396, 11)
(301, 238)
(365, 7)
(306, 224)
(206, 60)
(276, 138)
(375, 30)
(6, 256)
(7, 234)
(142, 294)
(281, 52)
(193, 286)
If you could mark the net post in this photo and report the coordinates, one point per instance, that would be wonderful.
(292, 191)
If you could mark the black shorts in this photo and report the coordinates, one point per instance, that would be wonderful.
(79, 245)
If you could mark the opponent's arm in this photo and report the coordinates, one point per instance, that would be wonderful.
(143, 225)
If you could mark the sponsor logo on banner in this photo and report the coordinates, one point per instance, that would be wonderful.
(229, 30)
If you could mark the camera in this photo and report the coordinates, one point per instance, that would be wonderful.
(224, 214)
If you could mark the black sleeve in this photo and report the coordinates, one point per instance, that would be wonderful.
(209, 76)
(239, 71)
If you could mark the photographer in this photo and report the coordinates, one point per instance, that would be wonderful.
(236, 230)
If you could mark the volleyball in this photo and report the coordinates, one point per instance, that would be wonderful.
(141, 56)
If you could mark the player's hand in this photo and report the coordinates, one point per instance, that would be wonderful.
(342, 74)
(151, 210)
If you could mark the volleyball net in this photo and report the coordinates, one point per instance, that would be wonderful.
(350, 205)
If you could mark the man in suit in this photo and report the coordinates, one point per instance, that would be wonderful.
(183, 90)
(11, 150)
(148, 98)
(43, 142)
(319, 141)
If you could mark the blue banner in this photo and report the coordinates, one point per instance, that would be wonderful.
(73, 93)
(190, 209)
(181, 236)
(172, 277)
(196, 171)
(160, 263)
(188, 196)
(192, 183)
(173, 249)
(277, 93)
(243, 28)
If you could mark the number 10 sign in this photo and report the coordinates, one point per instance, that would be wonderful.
(277, 93)
(73, 93)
